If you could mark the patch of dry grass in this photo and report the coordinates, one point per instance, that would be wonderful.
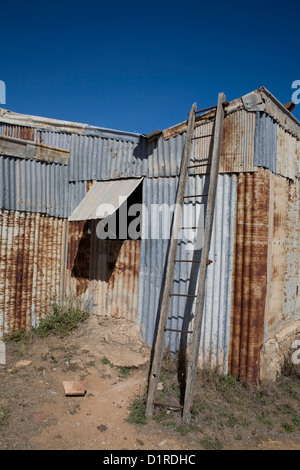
(228, 413)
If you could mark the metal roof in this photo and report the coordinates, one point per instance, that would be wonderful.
(258, 132)
(56, 125)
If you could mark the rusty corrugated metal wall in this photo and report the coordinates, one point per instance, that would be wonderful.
(78, 258)
(283, 257)
(33, 234)
(250, 274)
(106, 272)
(255, 244)
(31, 267)
(114, 277)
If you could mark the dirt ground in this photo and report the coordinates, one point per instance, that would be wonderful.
(112, 362)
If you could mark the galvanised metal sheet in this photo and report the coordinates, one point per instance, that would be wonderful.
(265, 142)
(217, 313)
(98, 158)
(76, 192)
(55, 139)
(31, 267)
(32, 185)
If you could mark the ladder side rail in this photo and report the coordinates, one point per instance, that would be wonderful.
(199, 303)
(170, 264)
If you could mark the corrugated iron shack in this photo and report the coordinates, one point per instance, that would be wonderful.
(54, 173)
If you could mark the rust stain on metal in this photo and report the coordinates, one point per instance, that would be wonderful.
(237, 142)
(123, 282)
(286, 153)
(30, 267)
(283, 260)
(89, 184)
(237, 153)
(250, 274)
(78, 256)
(106, 270)
(19, 132)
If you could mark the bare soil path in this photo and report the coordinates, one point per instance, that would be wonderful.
(113, 362)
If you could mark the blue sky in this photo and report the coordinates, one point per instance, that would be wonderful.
(139, 65)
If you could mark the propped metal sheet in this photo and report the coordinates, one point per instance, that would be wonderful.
(217, 313)
(108, 194)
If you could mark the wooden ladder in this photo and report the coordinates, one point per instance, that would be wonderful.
(171, 260)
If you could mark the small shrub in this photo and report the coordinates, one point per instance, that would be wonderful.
(106, 361)
(124, 371)
(287, 427)
(64, 317)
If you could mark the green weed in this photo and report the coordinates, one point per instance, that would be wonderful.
(4, 416)
(210, 443)
(137, 411)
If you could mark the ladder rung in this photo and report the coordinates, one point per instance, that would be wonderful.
(183, 295)
(187, 261)
(170, 405)
(208, 261)
(202, 136)
(206, 109)
(195, 195)
(188, 228)
(178, 331)
(200, 164)
(205, 118)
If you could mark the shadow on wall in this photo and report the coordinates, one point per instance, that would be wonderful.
(97, 265)
(187, 315)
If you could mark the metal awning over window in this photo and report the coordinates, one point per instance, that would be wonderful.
(104, 198)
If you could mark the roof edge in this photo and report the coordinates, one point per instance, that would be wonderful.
(257, 100)
(57, 125)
